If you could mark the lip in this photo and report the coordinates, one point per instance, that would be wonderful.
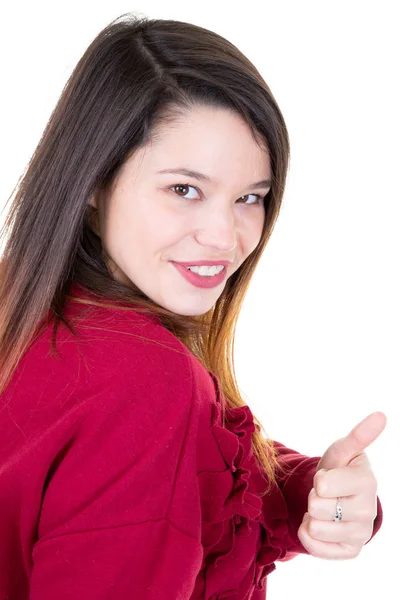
(206, 263)
(198, 280)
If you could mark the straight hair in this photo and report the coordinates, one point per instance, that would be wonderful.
(136, 76)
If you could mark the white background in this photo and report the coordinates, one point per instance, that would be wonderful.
(317, 346)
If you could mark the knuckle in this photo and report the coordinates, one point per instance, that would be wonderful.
(351, 553)
(313, 527)
(320, 486)
(312, 510)
(355, 553)
(365, 514)
(372, 484)
(361, 537)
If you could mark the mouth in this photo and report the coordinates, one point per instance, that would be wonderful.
(202, 281)
(205, 263)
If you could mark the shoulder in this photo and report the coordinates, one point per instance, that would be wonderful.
(132, 344)
(117, 360)
(110, 341)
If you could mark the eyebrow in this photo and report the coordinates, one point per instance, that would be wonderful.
(201, 177)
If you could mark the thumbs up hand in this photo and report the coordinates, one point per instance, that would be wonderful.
(343, 472)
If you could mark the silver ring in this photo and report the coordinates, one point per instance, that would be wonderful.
(339, 512)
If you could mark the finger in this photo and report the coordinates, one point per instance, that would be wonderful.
(356, 509)
(345, 481)
(345, 450)
(325, 550)
(362, 435)
(348, 533)
(368, 430)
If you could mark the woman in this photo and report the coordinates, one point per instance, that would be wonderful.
(130, 465)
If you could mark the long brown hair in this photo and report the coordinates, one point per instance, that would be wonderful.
(136, 75)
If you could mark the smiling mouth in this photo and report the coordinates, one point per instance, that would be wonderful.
(204, 281)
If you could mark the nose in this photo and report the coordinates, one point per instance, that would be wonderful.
(219, 231)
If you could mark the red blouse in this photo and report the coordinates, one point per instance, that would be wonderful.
(117, 479)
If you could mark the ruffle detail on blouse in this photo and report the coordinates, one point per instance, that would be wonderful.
(274, 536)
(232, 508)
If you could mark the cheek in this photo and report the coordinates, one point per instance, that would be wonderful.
(253, 232)
(121, 230)
(144, 229)
(121, 234)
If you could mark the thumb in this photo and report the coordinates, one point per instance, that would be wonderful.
(346, 449)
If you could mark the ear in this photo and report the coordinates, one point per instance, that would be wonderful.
(93, 201)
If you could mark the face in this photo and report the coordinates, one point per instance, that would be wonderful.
(152, 220)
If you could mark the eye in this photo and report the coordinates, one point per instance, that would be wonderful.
(259, 198)
(183, 185)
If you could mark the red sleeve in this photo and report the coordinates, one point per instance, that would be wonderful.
(295, 487)
(149, 560)
(260, 594)
(121, 514)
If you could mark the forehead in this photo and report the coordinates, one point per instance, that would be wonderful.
(214, 140)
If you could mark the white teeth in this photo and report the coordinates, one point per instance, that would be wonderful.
(206, 271)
